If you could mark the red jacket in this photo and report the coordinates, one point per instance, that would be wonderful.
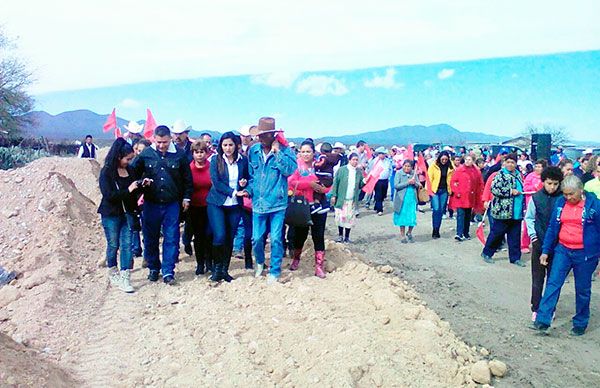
(487, 195)
(467, 187)
(303, 181)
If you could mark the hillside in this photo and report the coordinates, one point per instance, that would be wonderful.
(76, 124)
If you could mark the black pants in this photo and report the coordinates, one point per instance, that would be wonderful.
(317, 231)
(380, 193)
(500, 228)
(198, 217)
(539, 274)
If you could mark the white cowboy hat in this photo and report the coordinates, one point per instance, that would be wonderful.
(588, 151)
(381, 150)
(179, 126)
(244, 130)
(134, 127)
(292, 144)
(338, 144)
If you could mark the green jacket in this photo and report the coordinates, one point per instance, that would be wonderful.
(340, 186)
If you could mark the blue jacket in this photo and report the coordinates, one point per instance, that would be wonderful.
(220, 189)
(591, 226)
(268, 179)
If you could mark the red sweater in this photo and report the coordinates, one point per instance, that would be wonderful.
(202, 183)
(571, 227)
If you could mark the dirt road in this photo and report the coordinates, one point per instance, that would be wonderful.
(487, 305)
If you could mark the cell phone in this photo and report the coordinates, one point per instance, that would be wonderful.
(140, 181)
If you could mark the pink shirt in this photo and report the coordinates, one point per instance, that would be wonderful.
(571, 227)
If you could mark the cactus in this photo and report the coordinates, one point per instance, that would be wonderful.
(12, 157)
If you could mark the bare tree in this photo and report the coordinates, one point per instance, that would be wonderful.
(560, 135)
(14, 79)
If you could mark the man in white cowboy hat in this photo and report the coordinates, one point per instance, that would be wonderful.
(180, 132)
(339, 148)
(246, 139)
(134, 132)
(381, 186)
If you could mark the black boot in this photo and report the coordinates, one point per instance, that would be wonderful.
(248, 254)
(226, 259)
(436, 233)
(217, 273)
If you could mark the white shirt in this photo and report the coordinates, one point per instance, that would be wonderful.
(351, 182)
(233, 170)
(89, 147)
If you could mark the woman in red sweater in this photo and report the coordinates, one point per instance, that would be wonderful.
(467, 187)
(200, 167)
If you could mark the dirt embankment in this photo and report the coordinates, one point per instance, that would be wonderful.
(359, 327)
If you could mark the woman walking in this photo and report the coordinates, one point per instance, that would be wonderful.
(531, 183)
(304, 182)
(466, 186)
(440, 175)
(507, 209)
(118, 188)
(229, 176)
(198, 213)
(572, 237)
(405, 201)
(344, 195)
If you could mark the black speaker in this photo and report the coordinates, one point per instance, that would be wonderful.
(541, 143)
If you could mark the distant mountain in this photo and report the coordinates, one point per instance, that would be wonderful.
(441, 133)
(74, 125)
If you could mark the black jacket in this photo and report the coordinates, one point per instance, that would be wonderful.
(116, 199)
(544, 204)
(220, 189)
(170, 171)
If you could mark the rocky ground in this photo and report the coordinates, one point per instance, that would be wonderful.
(486, 305)
(64, 325)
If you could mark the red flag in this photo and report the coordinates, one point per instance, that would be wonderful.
(480, 233)
(150, 125)
(409, 154)
(423, 167)
(373, 177)
(118, 133)
(111, 122)
(369, 151)
(281, 138)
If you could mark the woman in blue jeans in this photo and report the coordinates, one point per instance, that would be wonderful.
(229, 176)
(440, 173)
(119, 201)
(572, 237)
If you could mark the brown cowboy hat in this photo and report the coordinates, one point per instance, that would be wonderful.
(265, 125)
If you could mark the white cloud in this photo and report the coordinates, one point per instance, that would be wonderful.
(103, 53)
(445, 73)
(275, 80)
(386, 81)
(320, 85)
(130, 103)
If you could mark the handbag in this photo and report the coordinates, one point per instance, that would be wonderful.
(298, 211)
(422, 194)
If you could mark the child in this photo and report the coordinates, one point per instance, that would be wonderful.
(324, 165)
(537, 218)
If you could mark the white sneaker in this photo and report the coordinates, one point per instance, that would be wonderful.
(258, 270)
(113, 276)
(271, 279)
(125, 284)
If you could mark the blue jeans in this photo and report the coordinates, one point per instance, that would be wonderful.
(439, 201)
(118, 238)
(583, 267)
(163, 216)
(259, 229)
(500, 228)
(463, 222)
(224, 221)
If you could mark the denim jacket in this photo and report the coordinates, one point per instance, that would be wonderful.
(268, 178)
(591, 226)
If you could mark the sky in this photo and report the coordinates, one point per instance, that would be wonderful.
(333, 67)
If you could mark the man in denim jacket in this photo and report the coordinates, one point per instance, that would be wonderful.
(270, 164)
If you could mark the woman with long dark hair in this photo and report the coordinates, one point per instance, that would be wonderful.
(119, 202)
(229, 176)
(440, 174)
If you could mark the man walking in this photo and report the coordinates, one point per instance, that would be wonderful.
(270, 164)
(171, 188)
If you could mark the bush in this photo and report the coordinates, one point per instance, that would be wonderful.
(12, 157)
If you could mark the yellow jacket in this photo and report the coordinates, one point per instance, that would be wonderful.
(435, 174)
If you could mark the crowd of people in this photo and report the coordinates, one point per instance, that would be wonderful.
(241, 193)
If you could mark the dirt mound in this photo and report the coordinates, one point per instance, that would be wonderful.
(24, 367)
(359, 327)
